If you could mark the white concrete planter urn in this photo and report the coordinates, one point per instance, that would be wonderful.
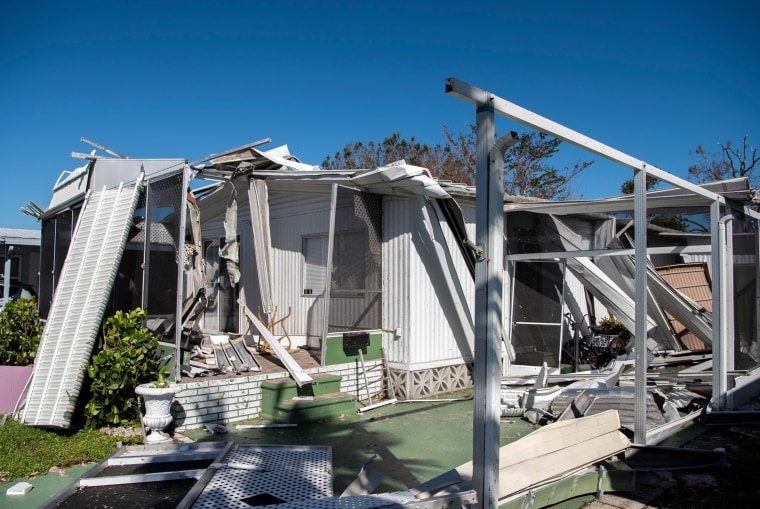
(158, 403)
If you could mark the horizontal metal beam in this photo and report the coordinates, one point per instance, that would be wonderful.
(514, 112)
(561, 255)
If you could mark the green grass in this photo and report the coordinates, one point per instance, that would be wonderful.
(26, 451)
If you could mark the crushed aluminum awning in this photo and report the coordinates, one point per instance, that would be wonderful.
(549, 453)
(736, 191)
(402, 178)
(247, 158)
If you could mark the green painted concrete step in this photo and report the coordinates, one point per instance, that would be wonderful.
(286, 388)
(312, 408)
(283, 402)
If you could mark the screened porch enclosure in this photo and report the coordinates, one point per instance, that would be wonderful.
(356, 273)
(537, 321)
(343, 267)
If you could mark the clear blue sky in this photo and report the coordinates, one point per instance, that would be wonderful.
(189, 78)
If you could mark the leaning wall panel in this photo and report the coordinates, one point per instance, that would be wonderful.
(435, 336)
(396, 241)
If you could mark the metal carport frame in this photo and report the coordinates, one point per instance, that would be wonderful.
(489, 219)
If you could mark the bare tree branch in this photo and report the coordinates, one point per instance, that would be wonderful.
(729, 162)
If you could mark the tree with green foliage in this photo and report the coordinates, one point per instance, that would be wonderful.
(526, 170)
(20, 332)
(628, 186)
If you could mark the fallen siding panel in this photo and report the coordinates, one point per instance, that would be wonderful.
(78, 307)
(556, 450)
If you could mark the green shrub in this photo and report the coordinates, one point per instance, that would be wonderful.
(127, 356)
(20, 332)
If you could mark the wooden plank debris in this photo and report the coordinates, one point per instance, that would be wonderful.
(555, 451)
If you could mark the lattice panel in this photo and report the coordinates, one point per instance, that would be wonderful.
(431, 382)
(269, 475)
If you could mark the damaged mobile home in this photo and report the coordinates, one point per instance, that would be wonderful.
(324, 258)
(387, 277)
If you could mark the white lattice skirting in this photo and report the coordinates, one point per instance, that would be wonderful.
(430, 382)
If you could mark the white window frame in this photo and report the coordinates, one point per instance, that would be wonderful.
(314, 251)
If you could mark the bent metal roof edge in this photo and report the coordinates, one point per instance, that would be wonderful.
(15, 236)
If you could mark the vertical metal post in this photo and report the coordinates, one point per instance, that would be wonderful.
(719, 392)
(757, 276)
(329, 268)
(488, 305)
(7, 273)
(146, 252)
(511, 270)
(640, 236)
(727, 307)
(723, 350)
(186, 176)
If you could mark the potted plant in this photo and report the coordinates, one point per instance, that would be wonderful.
(128, 366)
(158, 396)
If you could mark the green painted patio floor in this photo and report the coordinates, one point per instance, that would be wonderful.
(44, 487)
(412, 441)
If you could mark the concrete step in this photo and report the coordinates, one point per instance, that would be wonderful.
(303, 409)
(283, 402)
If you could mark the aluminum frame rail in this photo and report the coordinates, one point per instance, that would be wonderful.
(299, 375)
(78, 306)
(486, 105)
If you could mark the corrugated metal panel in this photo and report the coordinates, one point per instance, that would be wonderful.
(692, 280)
(288, 226)
(108, 172)
(431, 333)
(291, 202)
(17, 237)
(249, 282)
(396, 241)
(77, 311)
(617, 398)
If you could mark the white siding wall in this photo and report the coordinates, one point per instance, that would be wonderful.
(415, 299)
(293, 215)
(396, 244)
(415, 295)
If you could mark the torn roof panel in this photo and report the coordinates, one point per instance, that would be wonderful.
(74, 320)
(110, 173)
(664, 200)
(404, 178)
(250, 159)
